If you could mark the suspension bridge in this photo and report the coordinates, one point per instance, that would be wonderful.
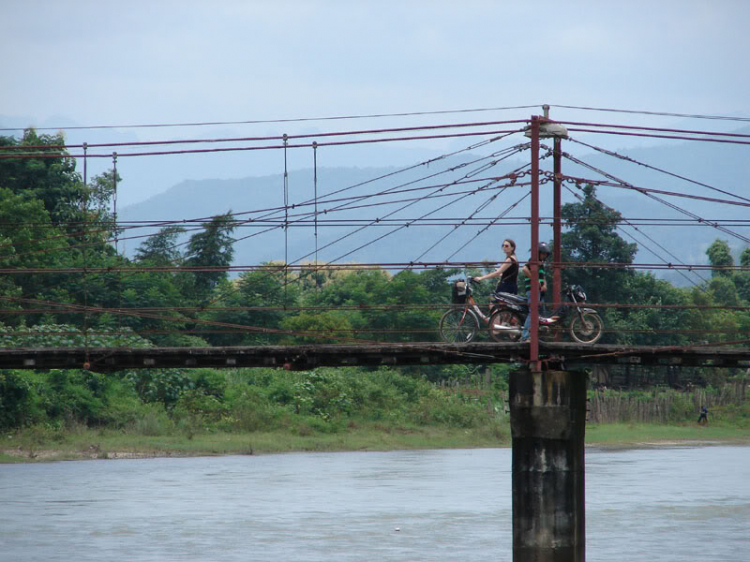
(376, 212)
(547, 397)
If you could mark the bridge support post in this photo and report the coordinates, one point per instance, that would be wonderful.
(548, 419)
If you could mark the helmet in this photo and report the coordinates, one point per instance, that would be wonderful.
(543, 247)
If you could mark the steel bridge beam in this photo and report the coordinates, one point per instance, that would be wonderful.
(303, 357)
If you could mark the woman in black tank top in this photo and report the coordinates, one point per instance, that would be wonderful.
(508, 271)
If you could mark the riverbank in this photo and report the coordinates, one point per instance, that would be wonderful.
(39, 446)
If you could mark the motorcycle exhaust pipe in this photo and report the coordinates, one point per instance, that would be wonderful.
(510, 329)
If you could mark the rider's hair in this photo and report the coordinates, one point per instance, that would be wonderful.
(511, 242)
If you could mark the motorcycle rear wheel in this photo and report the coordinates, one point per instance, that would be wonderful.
(587, 331)
(505, 326)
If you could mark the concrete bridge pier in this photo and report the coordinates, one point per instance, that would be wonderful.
(548, 420)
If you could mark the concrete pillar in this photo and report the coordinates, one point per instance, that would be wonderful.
(548, 420)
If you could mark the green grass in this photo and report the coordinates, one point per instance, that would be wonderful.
(36, 444)
(92, 444)
(634, 434)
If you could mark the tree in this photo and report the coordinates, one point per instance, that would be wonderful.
(742, 278)
(211, 248)
(745, 257)
(161, 248)
(53, 180)
(720, 256)
(592, 238)
(257, 300)
(27, 240)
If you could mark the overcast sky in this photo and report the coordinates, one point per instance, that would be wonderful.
(104, 62)
(114, 63)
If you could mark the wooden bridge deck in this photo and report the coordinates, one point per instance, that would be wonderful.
(310, 356)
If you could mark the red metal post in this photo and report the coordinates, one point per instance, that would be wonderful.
(534, 362)
(557, 224)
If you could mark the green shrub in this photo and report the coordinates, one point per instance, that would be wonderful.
(200, 409)
(18, 400)
(447, 410)
(159, 385)
(249, 410)
(210, 381)
(152, 420)
(74, 396)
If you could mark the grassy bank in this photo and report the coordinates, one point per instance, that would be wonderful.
(30, 446)
(76, 414)
(640, 434)
(90, 444)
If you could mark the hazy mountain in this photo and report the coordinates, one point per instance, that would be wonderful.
(246, 182)
(722, 166)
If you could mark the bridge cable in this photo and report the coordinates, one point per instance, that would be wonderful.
(315, 182)
(486, 227)
(515, 175)
(621, 218)
(689, 280)
(389, 190)
(381, 177)
(85, 205)
(432, 193)
(634, 161)
(647, 193)
(117, 244)
(286, 219)
(656, 113)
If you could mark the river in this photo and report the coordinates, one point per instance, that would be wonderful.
(659, 503)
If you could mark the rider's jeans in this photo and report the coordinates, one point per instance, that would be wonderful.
(527, 323)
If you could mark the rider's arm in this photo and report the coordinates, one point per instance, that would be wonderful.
(490, 275)
(498, 272)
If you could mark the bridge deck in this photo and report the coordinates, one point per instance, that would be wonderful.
(310, 356)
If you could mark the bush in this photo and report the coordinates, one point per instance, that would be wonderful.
(447, 410)
(249, 410)
(210, 381)
(159, 385)
(18, 400)
(199, 410)
(74, 397)
(151, 421)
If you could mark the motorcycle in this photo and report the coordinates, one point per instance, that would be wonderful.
(583, 324)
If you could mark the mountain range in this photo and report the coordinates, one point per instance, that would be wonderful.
(428, 229)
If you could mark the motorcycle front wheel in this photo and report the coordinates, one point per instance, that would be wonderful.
(458, 326)
(587, 330)
(505, 326)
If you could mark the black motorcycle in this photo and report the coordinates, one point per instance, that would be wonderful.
(583, 324)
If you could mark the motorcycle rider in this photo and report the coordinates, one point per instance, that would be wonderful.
(508, 271)
(543, 253)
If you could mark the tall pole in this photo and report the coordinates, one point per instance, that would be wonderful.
(534, 363)
(557, 224)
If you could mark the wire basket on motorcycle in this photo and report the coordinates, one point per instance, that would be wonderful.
(461, 289)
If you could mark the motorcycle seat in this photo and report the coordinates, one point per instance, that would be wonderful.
(508, 297)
